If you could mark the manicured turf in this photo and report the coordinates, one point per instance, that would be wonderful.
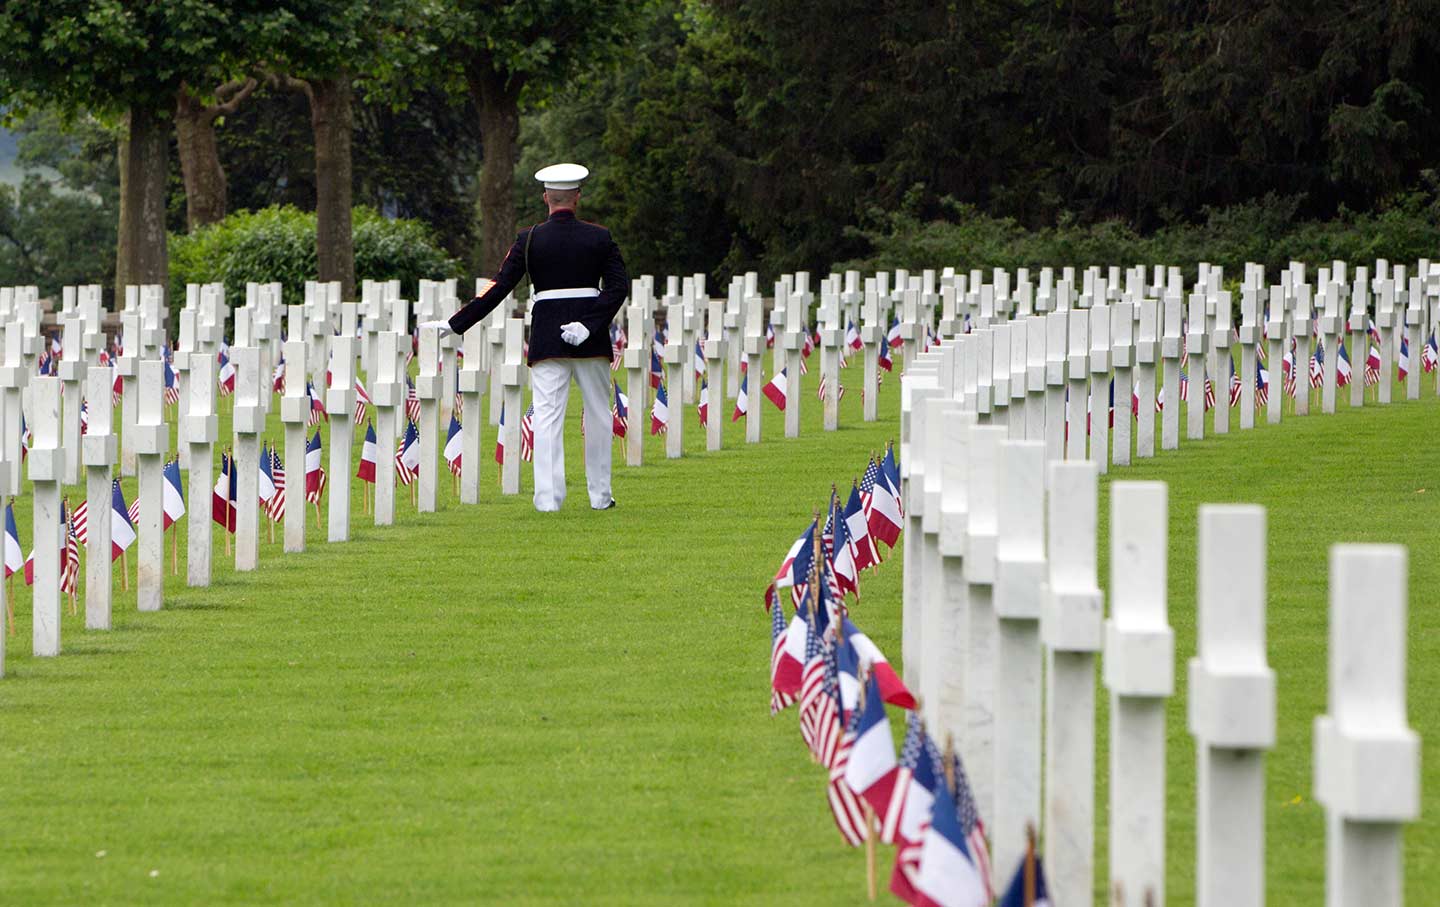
(488, 705)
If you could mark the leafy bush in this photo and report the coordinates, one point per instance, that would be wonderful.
(278, 244)
(1264, 231)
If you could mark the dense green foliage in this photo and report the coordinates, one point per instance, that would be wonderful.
(278, 244)
(1268, 231)
(490, 705)
(57, 227)
(744, 134)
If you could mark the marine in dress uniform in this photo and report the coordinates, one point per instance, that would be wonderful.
(579, 283)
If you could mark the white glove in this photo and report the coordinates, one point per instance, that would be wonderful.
(442, 326)
(574, 333)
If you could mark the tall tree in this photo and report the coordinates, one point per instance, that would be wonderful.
(123, 59)
(364, 45)
(513, 53)
(206, 196)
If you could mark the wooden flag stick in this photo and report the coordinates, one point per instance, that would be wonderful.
(1030, 865)
(174, 550)
(869, 851)
(10, 601)
(270, 528)
(124, 572)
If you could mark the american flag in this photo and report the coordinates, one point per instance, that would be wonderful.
(527, 435)
(1287, 369)
(134, 510)
(970, 822)
(277, 379)
(845, 807)
(823, 387)
(70, 563)
(1235, 384)
(909, 813)
(407, 455)
(1209, 394)
(778, 701)
(1317, 365)
(1262, 384)
(812, 688)
(362, 401)
(619, 413)
(172, 385)
(412, 401)
(275, 507)
(80, 519)
(84, 417)
(1430, 355)
(867, 487)
(618, 342)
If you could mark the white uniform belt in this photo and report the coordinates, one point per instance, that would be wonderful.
(568, 293)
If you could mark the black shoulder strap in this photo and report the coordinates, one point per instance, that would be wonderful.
(529, 236)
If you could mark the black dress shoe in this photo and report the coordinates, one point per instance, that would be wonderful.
(609, 506)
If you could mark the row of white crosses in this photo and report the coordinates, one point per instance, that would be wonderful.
(1001, 601)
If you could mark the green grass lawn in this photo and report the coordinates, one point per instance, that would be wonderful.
(489, 705)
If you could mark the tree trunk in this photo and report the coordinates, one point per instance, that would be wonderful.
(498, 101)
(205, 190)
(333, 122)
(141, 256)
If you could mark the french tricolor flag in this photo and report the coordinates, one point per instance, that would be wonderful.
(704, 403)
(892, 688)
(660, 412)
(775, 390)
(742, 401)
(222, 496)
(366, 472)
(313, 456)
(122, 531)
(14, 555)
(171, 497)
(871, 770)
(452, 445)
(949, 874)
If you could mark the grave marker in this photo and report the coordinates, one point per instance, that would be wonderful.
(47, 467)
(1231, 700)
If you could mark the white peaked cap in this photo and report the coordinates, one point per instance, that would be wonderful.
(562, 176)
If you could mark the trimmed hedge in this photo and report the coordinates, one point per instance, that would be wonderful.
(278, 244)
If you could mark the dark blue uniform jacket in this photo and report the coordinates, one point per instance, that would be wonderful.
(565, 253)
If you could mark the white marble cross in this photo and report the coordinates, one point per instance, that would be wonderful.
(152, 443)
(1100, 386)
(1057, 347)
(639, 335)
(249, 425)
(1019, 582)
(1367, 758)
(1275, 331)
(99, 452)
(1302, 324)
(128, 363)
(1078, 386)
(512, 380)
(754, 366)
(295, 413)
(978, 738)
(1071, 629)
(471, 382)
(1170, 352)
(429, 387)
(1122, 351)
(72, 377)
(872, 334)
(1231, 700)
(1221, 327)
(714, 350)
(340, 403)
(201, 432)
(46, 463)
(1196, 345)
(793, 340)
(387, 392)
(1139, 668)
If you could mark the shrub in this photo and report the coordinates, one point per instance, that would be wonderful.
(278, 244)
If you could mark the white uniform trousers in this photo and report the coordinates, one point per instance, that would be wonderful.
(550, 392)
